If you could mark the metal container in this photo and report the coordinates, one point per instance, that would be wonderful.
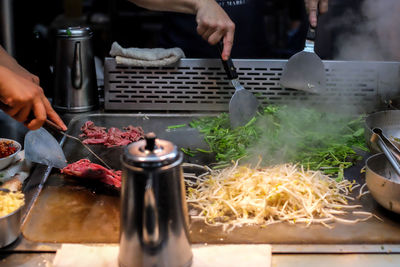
(75, 73)
(10, 227)
(154, 217)
(381, 183)
(387, 120)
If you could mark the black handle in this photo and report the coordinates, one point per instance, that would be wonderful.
(311, 30)
(228, 64)
(311, 33)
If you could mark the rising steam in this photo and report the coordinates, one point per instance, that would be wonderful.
(375, 37)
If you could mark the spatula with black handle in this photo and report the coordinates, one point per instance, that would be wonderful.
(243, 104)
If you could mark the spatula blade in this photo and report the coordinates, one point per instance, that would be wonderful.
(242, 107)
(41, 147)
(304, 71)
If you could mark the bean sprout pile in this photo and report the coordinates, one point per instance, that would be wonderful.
(241, 195)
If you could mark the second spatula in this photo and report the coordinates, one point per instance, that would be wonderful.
(305, 69)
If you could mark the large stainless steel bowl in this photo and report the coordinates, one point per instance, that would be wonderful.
(10, 226)
(379, 175)
(388, 121)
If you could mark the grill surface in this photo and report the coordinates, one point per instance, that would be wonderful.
(201, 85)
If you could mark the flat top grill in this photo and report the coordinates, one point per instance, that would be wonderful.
(49, 220)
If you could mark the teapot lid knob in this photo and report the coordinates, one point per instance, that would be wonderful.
(150, 141)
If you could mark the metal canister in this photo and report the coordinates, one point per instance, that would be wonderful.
(75, 74)
(154, 217)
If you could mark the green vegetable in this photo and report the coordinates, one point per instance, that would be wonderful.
(317, 140)
(176, 126)
(189, 152)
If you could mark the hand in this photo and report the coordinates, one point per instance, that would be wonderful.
(312, 8)
(20, 97)
(27, 75)
(213, 24)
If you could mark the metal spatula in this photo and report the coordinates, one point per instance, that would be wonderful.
(305, 70)
(243, 104)
(41, 147)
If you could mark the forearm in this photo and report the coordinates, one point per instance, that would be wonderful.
(7, 61)
(181, 6)
(10, 63)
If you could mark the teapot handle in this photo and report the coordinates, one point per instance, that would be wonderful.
(76, 74)
(151, 233)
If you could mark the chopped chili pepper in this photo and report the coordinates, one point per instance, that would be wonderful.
(7, 148)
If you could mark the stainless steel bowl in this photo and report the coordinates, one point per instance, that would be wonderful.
(10, 227)
(388, 121)
(378, 177)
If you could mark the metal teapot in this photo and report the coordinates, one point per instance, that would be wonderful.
(75, 73)
(154, 215)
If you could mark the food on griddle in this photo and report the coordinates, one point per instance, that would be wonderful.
(10, 202)
(86, 169)
(7, 148)
(280, 134)
(240, 195)
(112, 137)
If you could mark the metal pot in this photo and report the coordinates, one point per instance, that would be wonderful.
(75, 73)
(380, 181)
(154, 217)
(10, 227)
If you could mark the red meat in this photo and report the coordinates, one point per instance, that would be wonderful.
(113, 137)
(86, 169)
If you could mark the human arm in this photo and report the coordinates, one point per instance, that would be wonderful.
(213, 24)
(9, 62)
(313, 7)
(21, 97)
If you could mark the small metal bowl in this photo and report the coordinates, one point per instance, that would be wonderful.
(387, 120)
(4, 162)
(380, 177)
(10, 227)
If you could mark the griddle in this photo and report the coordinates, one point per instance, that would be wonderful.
(82, 211)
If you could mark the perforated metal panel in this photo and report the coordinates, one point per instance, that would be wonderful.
(201, 85)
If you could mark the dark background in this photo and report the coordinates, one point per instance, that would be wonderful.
(120, 20)
(131, 26)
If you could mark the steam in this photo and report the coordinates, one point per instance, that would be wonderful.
(375, 37)
(292, 130)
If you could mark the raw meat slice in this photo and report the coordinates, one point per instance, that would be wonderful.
(113, 137)
(86, 169)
